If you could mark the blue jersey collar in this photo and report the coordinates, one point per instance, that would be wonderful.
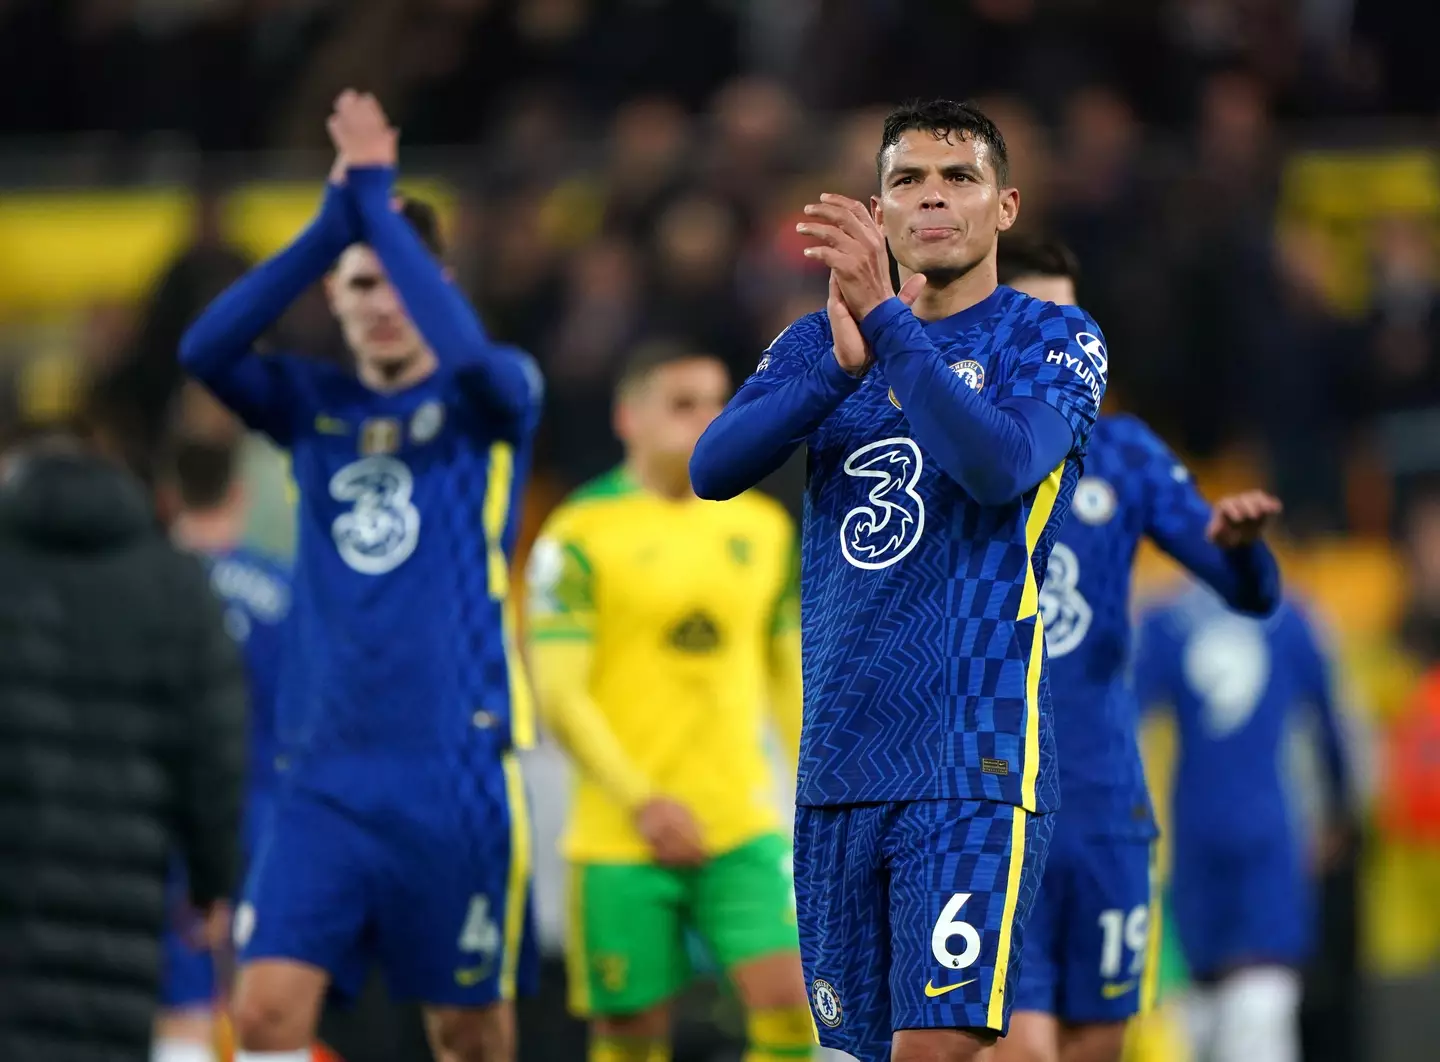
(971, 315)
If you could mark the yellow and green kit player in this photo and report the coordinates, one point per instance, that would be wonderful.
(663, 631)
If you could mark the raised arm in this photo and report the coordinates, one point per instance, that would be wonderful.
(500, 378)
(996, 448)
(998, 444)
(1222, 546)
(218, 349)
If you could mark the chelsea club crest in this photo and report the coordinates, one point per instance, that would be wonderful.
(1094, 501)
(972, 372)
(827, 1003)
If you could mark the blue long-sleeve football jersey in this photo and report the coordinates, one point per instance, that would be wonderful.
(408, 509)
(923, 653)
(1133, 487)
(1235, 683)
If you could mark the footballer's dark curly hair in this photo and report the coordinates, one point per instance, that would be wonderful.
(1034, 256)
(945, 119)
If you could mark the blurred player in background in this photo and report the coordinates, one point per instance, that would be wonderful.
(1086, 944)
(1243, 902)
(209, 501)
(661, 628)
(400, 834)
(944, 444)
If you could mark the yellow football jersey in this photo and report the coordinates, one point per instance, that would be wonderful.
(683, 605)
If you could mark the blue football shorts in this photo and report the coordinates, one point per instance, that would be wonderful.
(912, 915)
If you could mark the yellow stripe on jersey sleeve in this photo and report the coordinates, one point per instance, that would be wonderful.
(499, 480)
(1044, 504)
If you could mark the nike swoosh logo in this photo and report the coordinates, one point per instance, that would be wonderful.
(931, 991)
(471, 977)
(1116, 991)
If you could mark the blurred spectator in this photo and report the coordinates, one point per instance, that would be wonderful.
(1421, 626)
(600, 317)
(121, 741)
(1306, 353)
(693, 290)
(146, 378)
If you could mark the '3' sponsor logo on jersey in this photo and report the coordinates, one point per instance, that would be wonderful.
(381, 530)
(888, 525)
(1063, 609)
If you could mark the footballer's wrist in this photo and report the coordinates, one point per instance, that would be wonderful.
(371, 183)
(839, 379)
(874, 323)
(636, 796)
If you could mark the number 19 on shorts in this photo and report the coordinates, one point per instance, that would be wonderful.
(1121, 932)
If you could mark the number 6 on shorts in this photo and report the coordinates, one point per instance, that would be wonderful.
(947, 926)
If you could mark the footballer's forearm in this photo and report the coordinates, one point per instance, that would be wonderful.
(561, 670)
(996, 452)
(762, 426)
(500, 376)
(224, 335)
(1247, 577)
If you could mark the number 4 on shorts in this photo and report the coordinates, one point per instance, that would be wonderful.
(948, 926)
(480, 934)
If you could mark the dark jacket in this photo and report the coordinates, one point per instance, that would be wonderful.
(121, 741)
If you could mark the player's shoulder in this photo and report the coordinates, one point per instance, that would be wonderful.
(529, 368)
(813, 328)
(594, 501)
(800, 340)
(1131, 439)
(1049, 321)
(1123, 428)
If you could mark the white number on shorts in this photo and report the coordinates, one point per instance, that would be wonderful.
(480, 933)
(948, 926)
(1123, 931)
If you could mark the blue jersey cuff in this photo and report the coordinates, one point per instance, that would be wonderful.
(833, 377)
(368, 181)
(879, 320)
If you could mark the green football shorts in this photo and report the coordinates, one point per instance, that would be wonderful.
(627, 948)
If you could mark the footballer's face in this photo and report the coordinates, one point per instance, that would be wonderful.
(377, 328)
(941, 204)
(663, 416)
(1059, 290)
